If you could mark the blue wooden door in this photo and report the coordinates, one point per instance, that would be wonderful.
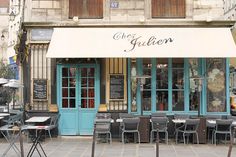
(78, 98)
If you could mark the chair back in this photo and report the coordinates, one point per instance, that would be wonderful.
(159, 123)
(223, 125)
(131, 123)
(103, 115)
(181, 116)
(213, 117)
(125, 115)
(158, 114)
(103, 125)
(191, 124)
(54, 120)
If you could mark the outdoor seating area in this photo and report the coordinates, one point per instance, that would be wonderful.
(181, 128)
(16, 125)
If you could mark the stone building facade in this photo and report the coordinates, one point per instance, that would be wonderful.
(81, 86)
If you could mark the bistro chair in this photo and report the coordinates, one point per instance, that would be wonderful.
(180, 116)
(159, 124)
(158, 114)
(189, 127)
(52, 125)
(121, 117)
(103, 127)
(223, 126)
(130, 125)
(211, 126)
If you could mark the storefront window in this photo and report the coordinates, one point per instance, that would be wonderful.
(216, 95)
(147, 70)
(162, 84)
(133, 85)
(178, 84)
(194, 97)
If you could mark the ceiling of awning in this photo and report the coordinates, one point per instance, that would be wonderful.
(141, 42)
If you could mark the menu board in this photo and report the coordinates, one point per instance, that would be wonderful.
(40, 89)
(116, 86)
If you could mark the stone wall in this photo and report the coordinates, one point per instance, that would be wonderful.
(119, 10)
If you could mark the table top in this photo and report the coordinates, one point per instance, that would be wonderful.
(37, 119)
(214, 122)
(101, 120)
(35, 127)
(1, 117)
(179, 120)
(4, 114)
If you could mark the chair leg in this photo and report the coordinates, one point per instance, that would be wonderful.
(151, 137)
(166, 135)
(49, 133)
(122, 138)
(197, 138)
(184, 137)
(215, 138)
(110, 138)
(176, 137)
(138, 137)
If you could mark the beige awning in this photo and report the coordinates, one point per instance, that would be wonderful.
(141, 42)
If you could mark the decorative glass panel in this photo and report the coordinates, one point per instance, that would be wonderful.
(194, 96)
(91, 93)
(72, 72)
(84, 72)
(133, 85)
(72, 82)
(216, 91)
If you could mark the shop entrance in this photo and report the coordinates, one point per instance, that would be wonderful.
(77, 96)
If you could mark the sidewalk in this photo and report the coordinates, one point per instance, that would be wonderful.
(77, 146)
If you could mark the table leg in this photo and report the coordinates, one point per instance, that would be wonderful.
(34, 145)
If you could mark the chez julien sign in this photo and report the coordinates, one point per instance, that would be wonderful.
(137, 41)
(141, 42)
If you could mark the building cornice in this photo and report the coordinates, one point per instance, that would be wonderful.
(146, 23)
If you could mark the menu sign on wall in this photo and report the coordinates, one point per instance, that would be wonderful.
(40, 89)
(116, 86)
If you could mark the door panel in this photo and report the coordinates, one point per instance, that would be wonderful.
(77, 98)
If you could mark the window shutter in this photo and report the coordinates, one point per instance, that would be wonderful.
(86, 8)
(95, 8)
(168, 8)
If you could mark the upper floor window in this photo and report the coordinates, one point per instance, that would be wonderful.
(86, 8)
(4, 6)
(168, 8)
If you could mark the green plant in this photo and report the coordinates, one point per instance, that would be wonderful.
(5, 92)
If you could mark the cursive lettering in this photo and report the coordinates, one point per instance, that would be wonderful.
(137, 42)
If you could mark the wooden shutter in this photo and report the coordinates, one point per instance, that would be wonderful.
(4, 3)
(168, 8)
(86, 8)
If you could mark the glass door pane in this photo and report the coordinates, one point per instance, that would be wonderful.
(68, 87)
(87, 88)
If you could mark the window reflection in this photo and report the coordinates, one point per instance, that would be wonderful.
(162, 84)
(147, 69)
(133, 85)
(178, 84)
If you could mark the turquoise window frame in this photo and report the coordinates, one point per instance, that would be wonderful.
(202, 71)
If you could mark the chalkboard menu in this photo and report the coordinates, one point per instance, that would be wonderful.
(116, 86)
(40, 89)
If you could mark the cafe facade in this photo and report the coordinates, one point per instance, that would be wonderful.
(128, 69)
(138, 56)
